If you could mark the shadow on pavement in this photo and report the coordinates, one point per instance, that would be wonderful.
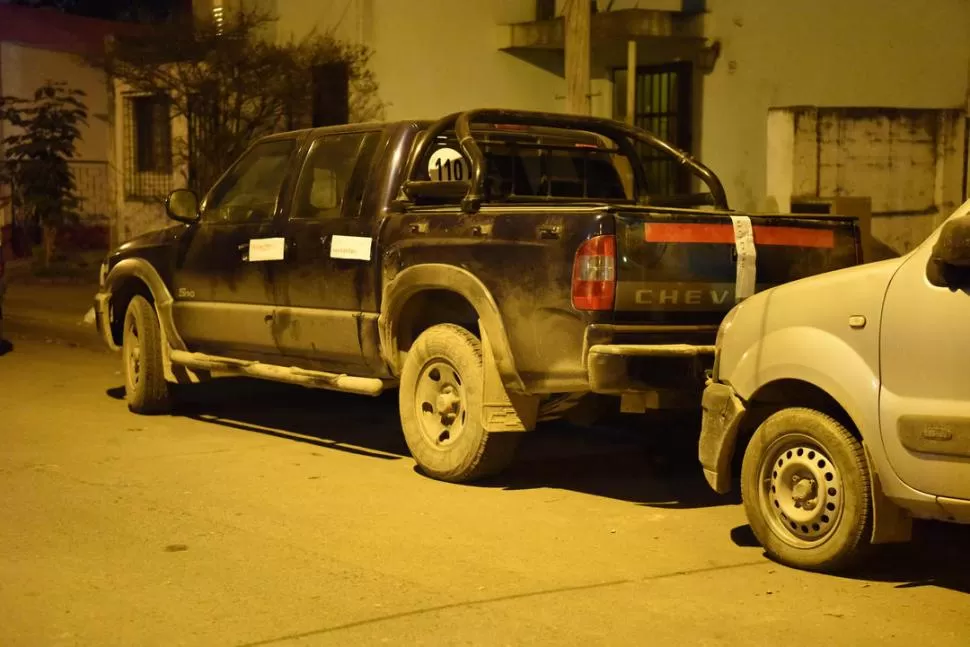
(935, 557)
(652, 466)
(655, 467)
(5, 347)
(354, 424)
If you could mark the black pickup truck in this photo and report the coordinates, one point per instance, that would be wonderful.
(497, 266)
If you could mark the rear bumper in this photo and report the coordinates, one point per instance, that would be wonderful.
(615, 369)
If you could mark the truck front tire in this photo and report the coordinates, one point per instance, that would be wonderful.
(441, 408)
(146, 390)
(805, 486)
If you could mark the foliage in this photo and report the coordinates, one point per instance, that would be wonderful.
(128, 10)
(36, 154)
(233, 82)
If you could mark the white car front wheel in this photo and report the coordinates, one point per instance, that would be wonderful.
(806, 492)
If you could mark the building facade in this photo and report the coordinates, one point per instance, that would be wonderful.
(725, 79)
(38, 45)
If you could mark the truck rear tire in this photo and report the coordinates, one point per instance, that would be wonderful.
(146, 390)
(805, 486)
(441, 408)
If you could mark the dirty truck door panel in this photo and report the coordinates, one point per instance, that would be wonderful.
(679, 267)
(223, 288)
(330, 254)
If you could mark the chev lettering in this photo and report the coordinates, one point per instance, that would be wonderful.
(675, 296)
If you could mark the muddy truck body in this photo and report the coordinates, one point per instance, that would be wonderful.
(496, 266)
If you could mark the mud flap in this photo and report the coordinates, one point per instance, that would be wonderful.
(174, 373)
(890, 523)
(501, 410)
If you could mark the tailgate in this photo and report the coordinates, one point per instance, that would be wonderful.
(681, 268)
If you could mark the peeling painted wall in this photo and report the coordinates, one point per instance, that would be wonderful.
(909, 162)
(897, 53)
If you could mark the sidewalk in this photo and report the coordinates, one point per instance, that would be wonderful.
(60, 310)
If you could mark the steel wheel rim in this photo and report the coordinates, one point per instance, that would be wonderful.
(439, 403)
(132, 350)
(800, 491)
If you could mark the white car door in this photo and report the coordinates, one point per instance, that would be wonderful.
(925, 370)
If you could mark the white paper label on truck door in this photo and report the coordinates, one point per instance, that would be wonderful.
(354, 248)
(266, 249)
(746, 272)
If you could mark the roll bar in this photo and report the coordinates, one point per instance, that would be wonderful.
(618, 132)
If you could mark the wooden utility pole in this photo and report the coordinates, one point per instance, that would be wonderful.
(577, 14)
(631, 82)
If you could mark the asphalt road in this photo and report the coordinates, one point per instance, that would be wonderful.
(270, 515)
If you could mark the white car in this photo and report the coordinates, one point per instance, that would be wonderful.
(849, 395)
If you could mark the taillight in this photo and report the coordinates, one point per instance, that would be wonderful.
(594, 274)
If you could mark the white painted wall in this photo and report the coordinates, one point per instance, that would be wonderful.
(894, 53)
(24, 69)
(27, 68)
(432, 57)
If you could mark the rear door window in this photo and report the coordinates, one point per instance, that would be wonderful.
(333, 178)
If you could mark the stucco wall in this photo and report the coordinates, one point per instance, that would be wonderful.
(896, 53)
(434, 56)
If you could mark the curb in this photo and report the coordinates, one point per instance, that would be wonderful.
(80, 333)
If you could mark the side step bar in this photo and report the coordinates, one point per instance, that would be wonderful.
(294, 375)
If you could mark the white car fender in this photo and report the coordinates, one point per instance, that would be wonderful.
(809, 355)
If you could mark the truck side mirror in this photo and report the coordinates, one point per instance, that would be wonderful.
(182, 205)
(949, 263)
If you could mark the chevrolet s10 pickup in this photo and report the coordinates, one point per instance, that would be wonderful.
(495, 266)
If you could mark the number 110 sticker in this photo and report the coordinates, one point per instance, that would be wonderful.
(447, 165)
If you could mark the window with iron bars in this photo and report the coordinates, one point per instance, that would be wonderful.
(663, 105)
(148, 146)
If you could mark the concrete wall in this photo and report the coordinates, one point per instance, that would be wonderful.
(434, 56)
(895, 53)
(909, 162)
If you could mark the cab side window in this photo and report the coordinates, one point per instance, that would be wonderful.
(331, 184)
(249, 192)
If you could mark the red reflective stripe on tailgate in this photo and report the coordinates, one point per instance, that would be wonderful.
(675, 232)
(724, 234)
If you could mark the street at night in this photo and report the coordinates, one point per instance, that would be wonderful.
(264, 514)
